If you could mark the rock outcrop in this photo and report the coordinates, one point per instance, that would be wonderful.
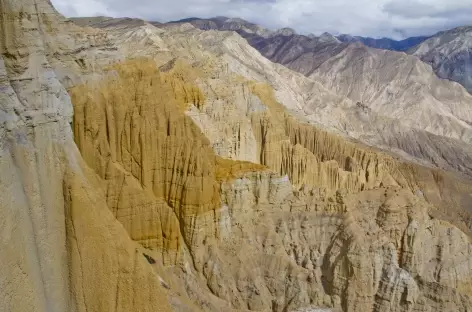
(347, 253)
(62, 249)
(160, 172)
(226, 24)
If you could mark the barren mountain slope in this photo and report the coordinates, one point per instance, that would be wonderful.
(390, 83)
(400, 86)
(450, 54)
(135, 210)
(399, 133)
(243, 121)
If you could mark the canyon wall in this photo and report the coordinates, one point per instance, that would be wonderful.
(148, 169)
(62, 249)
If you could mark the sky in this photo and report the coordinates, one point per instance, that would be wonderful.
(397, 19)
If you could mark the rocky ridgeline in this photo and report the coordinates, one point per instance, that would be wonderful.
(448, 52)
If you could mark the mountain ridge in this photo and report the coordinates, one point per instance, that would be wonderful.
(448, 61)
(450, 54)
(380, 43)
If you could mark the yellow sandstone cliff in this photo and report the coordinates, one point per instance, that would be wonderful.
(159, 170)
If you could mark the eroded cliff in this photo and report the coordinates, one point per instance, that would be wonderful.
(398, 103)
(174, 175)
(331, 177)
(160, 172)
(62, 249)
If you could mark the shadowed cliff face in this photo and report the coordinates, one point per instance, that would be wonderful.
(189, 182)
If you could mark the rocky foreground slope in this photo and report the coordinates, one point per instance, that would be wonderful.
(179, 172)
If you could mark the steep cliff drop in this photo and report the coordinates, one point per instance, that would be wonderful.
(61, 247)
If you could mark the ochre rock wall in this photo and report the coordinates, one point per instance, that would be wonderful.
(61, 247)
(161, 176)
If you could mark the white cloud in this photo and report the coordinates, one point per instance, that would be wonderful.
(377, 18)
(82, 7)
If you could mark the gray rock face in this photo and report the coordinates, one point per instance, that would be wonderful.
(286, 32)
(327, 37)
(104, 22)
(450, 54)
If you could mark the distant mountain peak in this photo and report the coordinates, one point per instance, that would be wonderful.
(449, 53)
(236, 20)
(383, 43)
(327, 37)
(286, 31)
(221, 18)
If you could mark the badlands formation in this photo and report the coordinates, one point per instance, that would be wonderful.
(396, 101)
(168, 168)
